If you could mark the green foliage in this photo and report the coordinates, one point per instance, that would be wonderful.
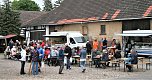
(25, 5)
(9, 20)
(48, 5)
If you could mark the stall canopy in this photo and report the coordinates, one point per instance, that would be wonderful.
(136, 33)
(2, 37)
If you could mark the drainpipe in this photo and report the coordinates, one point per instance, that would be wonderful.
(46, 32)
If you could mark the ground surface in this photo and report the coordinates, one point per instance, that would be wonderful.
(9, 69)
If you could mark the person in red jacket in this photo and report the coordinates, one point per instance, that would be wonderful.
(43, 44)
(47, 55)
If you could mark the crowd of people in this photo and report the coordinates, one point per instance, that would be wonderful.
(39, 52)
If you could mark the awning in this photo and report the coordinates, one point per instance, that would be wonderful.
(10, 36)
(134, 34)
(2, 37)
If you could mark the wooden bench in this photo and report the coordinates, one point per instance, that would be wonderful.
(132, 65)
(115, 64)
(103, 63)
(147, 64)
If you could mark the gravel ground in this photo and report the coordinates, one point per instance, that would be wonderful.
(9, 69)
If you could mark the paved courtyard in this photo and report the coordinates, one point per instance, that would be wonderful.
(9, 69)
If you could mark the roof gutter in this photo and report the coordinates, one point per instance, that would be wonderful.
(93, 21)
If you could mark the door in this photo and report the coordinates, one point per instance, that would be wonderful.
(72, 43)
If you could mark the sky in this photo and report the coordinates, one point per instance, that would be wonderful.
(39, 2)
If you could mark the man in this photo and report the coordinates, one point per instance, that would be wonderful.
(83, 54)
(61, 60)
(132, 59)
(69, 52)
(23, 59)
(35, 56)
(89, 47)
(41, 55)
(104, 43)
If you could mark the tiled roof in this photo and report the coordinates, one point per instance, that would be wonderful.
(27, 16)
(85, 10)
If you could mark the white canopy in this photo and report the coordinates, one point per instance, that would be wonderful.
(2, 37)
(136, 33)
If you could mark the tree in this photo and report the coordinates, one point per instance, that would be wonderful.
(48, 5)
(25, 5)
(57, 3)
(9, 20)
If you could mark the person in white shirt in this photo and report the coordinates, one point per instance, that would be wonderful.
(23, 59)
(13, 51)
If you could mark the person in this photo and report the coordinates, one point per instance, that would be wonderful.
(95, 44)
(47, 55)
(98, 59)
(13, 52)
(61, 60)
(35, 56)
(113, 44)
(11, 44)
(117, 54)
(23, 59)
(101, 43)
(43, 44)
(54, 54)
(83, 54)
(41, 56)
(69, 52)
(132, 59)
(89, 48)
(105, 58)
(104, 43)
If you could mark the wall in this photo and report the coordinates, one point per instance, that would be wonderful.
(112, 28)
(94, 29)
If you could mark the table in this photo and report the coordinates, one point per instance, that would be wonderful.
(77, 57)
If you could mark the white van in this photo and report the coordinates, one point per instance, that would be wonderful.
(72, 38)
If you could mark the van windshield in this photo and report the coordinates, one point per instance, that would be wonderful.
(80, 39)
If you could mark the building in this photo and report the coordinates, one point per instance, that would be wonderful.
(93, 18)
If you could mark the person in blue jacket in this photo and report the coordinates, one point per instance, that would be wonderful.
(41, 55)
(61, 60)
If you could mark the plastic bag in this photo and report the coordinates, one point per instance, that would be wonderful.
(65, 60)
(42, 63)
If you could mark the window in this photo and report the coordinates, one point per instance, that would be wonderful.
(80, 39)
(72, 41)
(103, 30)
